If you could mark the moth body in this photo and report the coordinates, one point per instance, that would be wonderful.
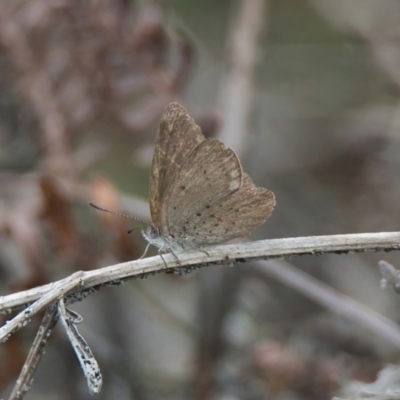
(165, 243)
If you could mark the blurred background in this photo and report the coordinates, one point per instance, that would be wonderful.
(307, 94)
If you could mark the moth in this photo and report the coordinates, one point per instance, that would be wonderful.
(199, 194)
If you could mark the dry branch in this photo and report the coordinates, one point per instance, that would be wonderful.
(75, 286)
(221, 254)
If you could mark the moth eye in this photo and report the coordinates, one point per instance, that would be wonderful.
(154, 231)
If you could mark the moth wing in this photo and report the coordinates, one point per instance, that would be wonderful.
(177, 136)
(234, 216)
(210, 173)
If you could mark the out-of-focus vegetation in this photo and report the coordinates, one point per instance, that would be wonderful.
(82, 87)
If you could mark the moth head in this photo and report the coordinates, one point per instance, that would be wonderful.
(151, 233)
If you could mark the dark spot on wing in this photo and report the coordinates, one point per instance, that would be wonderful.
(216, 225)
(236, 210)
(198, 214)
(212, 216)
(204, 172)
(183, 187)
(208, 206)
(174, 208)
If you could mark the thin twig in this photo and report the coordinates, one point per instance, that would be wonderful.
(331, 299)
(88, 363)
(35, 354)
(59, 290)
(221, 254)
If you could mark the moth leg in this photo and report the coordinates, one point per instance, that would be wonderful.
(204, 251)
(164, 251)
(199, 248)
(145, 251)
(166, 266)
(176, 257)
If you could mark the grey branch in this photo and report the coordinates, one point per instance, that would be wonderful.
(221, 254)
(79, 283)
(332, 299)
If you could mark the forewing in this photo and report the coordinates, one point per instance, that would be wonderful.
(177, 136)
(209, 174)
(234, 216)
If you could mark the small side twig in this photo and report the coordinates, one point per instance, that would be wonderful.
(85, 356)
(58, 291)
(25, 378)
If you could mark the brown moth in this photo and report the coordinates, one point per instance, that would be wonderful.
(199, 194)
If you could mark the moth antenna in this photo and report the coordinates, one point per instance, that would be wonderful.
(119, 214)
